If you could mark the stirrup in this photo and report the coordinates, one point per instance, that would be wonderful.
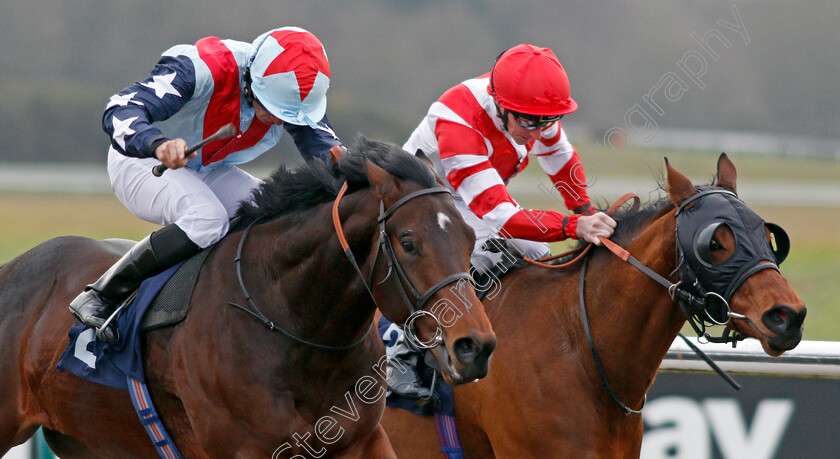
(109, 332)
(412, 384)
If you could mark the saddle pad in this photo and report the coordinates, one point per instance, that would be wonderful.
(110, 364)
(444, 401)
(170, 305)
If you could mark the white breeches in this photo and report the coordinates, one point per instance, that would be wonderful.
(200, 203)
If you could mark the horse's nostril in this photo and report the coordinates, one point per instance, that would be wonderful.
(777, 317)
(466, 349)
(782, 318)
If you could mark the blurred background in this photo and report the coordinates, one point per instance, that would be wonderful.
(680, 79)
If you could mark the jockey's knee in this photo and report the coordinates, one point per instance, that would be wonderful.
(206, 224)
(532, 249)
(482, 261)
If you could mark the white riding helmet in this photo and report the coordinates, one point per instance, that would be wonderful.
(290, 75)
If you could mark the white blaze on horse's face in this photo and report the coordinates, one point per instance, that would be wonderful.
(443, 220)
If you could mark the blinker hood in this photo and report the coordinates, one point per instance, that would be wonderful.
(697, 220)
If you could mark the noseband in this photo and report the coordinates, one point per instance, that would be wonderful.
(751, 255)
(704, 289)
(415, 305)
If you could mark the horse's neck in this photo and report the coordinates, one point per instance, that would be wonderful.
(306, 280)
(639, 316)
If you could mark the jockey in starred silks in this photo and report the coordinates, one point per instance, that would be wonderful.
(279, 82)
(478, 135)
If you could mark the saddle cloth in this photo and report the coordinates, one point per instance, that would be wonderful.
(442, 406)
(444, 402)
(160, 301)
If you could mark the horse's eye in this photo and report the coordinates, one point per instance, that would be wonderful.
(408, 246)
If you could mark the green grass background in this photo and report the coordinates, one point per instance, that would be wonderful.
(813, 267)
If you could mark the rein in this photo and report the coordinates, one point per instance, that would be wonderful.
(257, 314)
(595, 357)
(415, 307)
(584, 250)
(674, 291)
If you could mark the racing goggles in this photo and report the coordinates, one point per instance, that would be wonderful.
(533, 122)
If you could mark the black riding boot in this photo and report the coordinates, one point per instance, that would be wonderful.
(149, 257)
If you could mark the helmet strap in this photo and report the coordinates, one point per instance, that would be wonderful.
(502, 114)
(247, 92)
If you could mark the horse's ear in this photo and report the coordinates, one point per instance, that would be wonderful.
(383, 182)
(726, 173)
(420, 154)
(679, 186)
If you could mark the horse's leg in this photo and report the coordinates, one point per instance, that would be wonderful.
(12, 429)
(35, 290)
(65, 446)
(474, 440)
(374, 445)
(412, 436)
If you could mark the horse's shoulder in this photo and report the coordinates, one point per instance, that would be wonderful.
(530, 276)
(526, 283)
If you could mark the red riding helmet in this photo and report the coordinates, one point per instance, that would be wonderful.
(530, 80)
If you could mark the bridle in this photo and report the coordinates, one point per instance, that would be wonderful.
(405, 286)
(694, 301)
(704, 289)
(384, 247)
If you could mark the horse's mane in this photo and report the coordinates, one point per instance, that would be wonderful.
(630, 222)
(289, 191)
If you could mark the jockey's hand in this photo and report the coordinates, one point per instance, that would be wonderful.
(590, 227)
(171, 153)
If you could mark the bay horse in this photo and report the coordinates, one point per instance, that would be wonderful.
(546, 395)
(225, 385)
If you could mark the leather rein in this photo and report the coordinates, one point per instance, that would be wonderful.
(415, 305)
(673, 291)
(384, 247)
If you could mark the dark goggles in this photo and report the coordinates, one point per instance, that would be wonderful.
(533, 122)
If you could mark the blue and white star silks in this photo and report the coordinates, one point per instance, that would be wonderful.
(122, 128)
(162, 85)
(174, 101)
(122, 100)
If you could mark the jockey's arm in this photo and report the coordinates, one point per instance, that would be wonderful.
(469, 171)
(313, 142)
(560, 161)
(129, 114)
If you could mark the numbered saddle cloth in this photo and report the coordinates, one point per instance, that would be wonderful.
(161, 300)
